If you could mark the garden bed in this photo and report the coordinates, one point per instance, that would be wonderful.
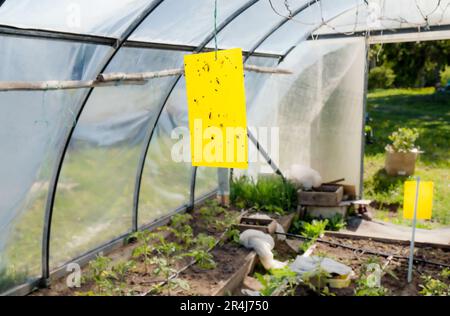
(394, 270)
(198, 253)
(133, 270)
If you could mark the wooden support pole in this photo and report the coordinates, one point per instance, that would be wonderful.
(114, 79)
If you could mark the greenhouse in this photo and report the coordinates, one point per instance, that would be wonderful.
(93, 101)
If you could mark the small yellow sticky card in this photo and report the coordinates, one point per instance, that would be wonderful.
(217, 112)
(425, 199)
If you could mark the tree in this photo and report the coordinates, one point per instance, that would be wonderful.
(414, 64)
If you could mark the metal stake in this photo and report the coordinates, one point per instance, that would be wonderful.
(411, 250)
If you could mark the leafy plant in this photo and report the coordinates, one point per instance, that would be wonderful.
(203, 258)
(336, 223)
(317, 281)
(167, 255)
(204, 242)
(185, 235)
(403, 140)
(210, 210)
(284, 281)
(270, 194)
(310, 230)
(314, 229)
(180, 220)
(445, 273)
(121, 269)
(144, 250)
(224, 223)
(109, 280)
(434, 287)
(164, 267)
(233, 235)
(381, 77)
(97, 268)
(369, 282)
(181, 229)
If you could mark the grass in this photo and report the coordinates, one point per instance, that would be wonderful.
(270, 194)
(430, 114)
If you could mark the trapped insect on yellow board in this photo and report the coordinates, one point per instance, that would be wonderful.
(425, 200)
(216, 105)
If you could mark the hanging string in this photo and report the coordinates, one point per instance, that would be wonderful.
(215, 27)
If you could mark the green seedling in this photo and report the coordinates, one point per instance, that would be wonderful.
(434, 287)
(281, 282)
(203, 259)
(369, 282)
(270, 194)
(204, 242)
(317, 282)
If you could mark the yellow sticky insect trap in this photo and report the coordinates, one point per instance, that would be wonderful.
(216, 105)
(425, 201)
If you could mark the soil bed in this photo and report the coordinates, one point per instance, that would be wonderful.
(141, 279)
(357, 259)
(229, 258)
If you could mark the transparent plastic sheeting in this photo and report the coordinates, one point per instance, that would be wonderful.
(254, 82)
(33, 128)
(207, 177)
(93, 17)
(166, 179)
(186, 22)
(94, 200)
(206, 181)
(319, 109)
(390, 14)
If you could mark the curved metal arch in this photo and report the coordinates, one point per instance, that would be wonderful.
(62, 153)
(148, 138)
(252, 138)
(288, 51)
(280, 24)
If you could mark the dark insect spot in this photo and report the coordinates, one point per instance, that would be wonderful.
(209, 115)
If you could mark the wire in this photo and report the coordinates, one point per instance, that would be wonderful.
(440, 6)
(215, 28)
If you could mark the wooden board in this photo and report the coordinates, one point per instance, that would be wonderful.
(320, 198)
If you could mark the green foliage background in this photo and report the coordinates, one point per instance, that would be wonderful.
(414, 64)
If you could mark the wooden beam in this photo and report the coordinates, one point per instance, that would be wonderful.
(114, 79)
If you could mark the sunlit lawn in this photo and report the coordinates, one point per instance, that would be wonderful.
(430, 114)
